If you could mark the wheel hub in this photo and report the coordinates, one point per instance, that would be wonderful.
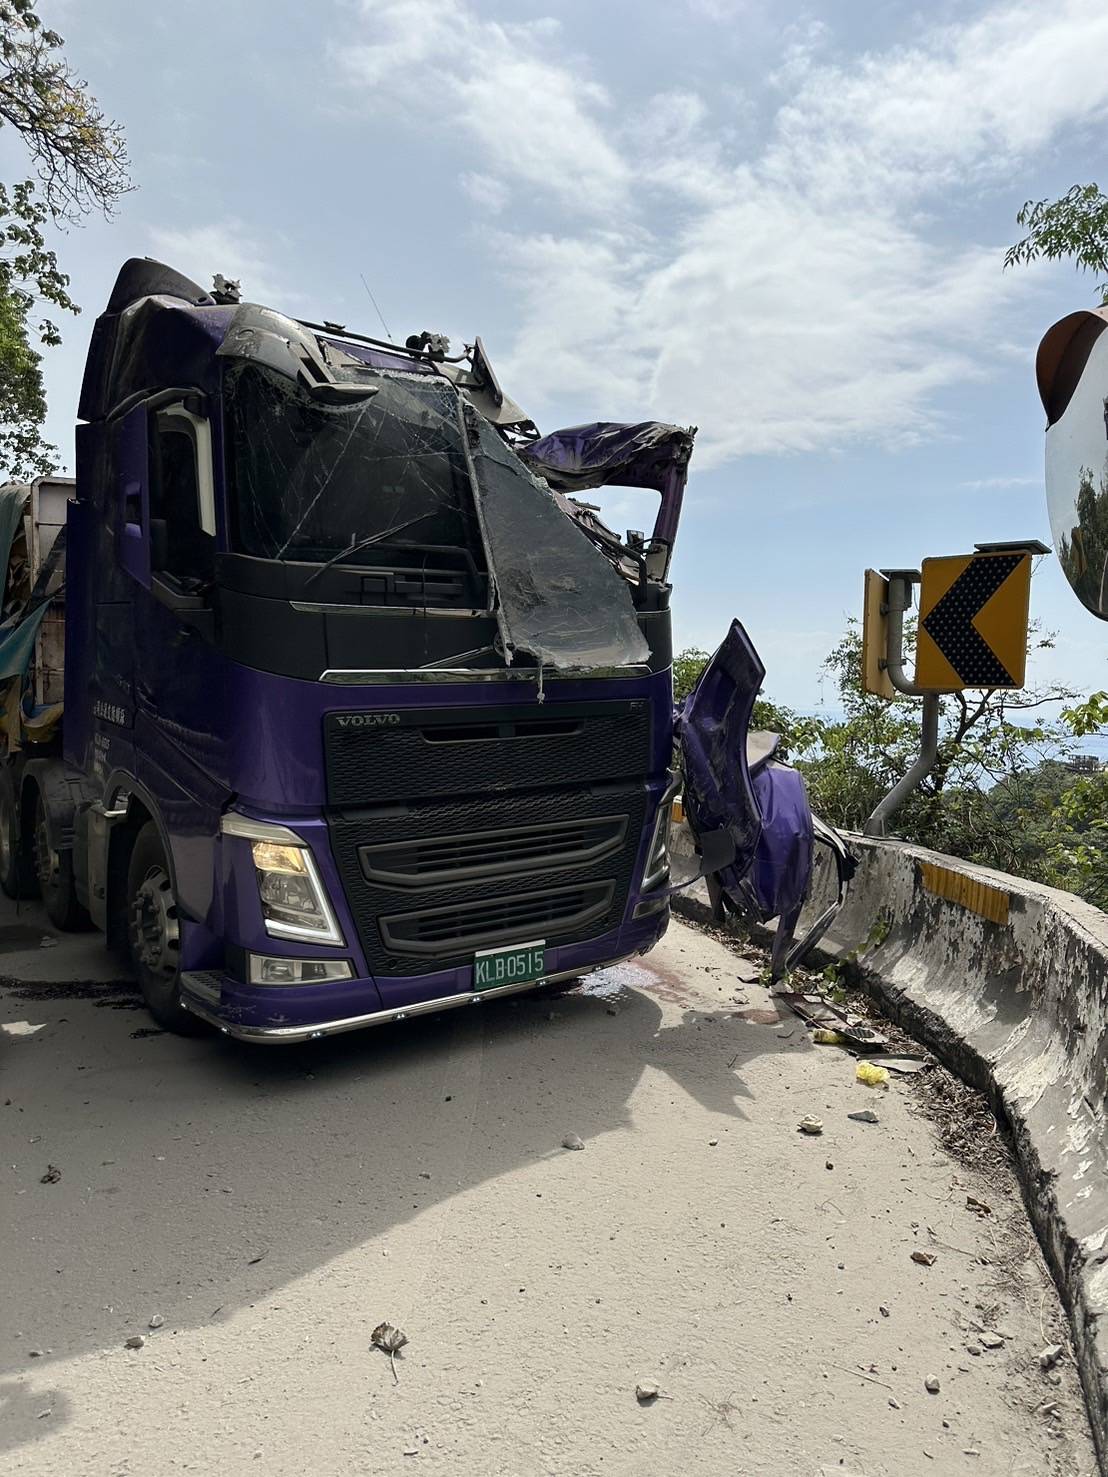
(155, 931)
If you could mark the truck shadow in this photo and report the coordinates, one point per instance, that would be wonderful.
(199, 1176)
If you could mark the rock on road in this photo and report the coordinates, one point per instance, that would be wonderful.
(273, 1207)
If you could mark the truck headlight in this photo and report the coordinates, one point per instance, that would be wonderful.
(268, 969)
(656, 870)
(294, 904)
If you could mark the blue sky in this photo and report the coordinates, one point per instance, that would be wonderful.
(781, 222)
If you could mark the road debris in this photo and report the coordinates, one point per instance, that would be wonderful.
(978, 1206)
(903, 1065)
(156, 1321)
(712, 1143)
(52, 1176)
(572, 1141)
(872, 1075)
(883, 1310)
(925, 1258)
(810, 1124)
(48, 942)
(1050, 1356)
(390, 1341)
(832, 1026)
(867, 1115)
(931, 1384)
(136, 1341)
(990, 1341)
(646, 1392)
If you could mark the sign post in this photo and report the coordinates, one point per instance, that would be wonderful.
(972, 632)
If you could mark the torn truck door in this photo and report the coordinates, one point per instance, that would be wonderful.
(712, 730)
(736, 788)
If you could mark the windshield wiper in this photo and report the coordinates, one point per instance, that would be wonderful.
(355, 547)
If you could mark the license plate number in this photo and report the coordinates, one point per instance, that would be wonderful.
(521, 965)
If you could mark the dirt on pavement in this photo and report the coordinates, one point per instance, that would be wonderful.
(274, 1206)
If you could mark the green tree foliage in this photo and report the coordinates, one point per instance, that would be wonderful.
(79, 163)
(1073, 227)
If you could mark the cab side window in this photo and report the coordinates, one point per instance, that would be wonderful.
(182, 524)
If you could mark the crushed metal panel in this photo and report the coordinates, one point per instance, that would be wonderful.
(559, 599)
(956, 887)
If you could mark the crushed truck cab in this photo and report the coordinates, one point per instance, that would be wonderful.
(365, 714)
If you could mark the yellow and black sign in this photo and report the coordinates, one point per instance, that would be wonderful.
(973, 621)
(875, 628)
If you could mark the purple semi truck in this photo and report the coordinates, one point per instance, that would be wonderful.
(365, 714)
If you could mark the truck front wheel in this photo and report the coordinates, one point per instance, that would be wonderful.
(154, 934)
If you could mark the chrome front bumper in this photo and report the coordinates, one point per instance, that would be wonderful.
(290, 1035)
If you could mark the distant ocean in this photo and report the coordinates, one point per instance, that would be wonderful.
(1095, 743)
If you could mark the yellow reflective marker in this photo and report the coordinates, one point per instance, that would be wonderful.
(973, 621)
(875, 625)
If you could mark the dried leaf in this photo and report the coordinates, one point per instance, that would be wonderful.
(391, 1340)
(386, 1337)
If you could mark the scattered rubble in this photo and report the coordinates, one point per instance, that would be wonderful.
(573, 1141)
(931, 1384)
(810, 1124)
(646, 1392)
(867, 1115)
(925, 1258)
(52, 1176)
(136, 1341)
(1050, 1356)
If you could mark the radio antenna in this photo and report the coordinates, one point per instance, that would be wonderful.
(373, 300)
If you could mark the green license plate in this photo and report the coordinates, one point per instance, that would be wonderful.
(520, 965)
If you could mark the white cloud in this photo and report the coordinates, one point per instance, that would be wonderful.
(533, 119)
(799, 294)
(486, 191)
(225, 247)
(985, 484)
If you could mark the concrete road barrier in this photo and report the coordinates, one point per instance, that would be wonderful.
(1007, 982)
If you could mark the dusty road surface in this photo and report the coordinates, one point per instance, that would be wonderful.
(268, 1208)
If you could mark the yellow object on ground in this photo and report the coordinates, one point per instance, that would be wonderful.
(824, 1037)
(872, 1076)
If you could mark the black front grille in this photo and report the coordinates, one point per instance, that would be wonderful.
(498, 853)
(377, 757)
(425, 880)
(434, 933)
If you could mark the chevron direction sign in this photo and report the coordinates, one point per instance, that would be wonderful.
(973, 621)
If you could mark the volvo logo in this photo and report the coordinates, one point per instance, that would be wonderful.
(369, 720)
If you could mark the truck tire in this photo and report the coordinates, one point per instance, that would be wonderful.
(16, 877)
(54, 873)
(153, 933)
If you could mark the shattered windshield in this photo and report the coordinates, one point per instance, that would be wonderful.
(382, 478)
